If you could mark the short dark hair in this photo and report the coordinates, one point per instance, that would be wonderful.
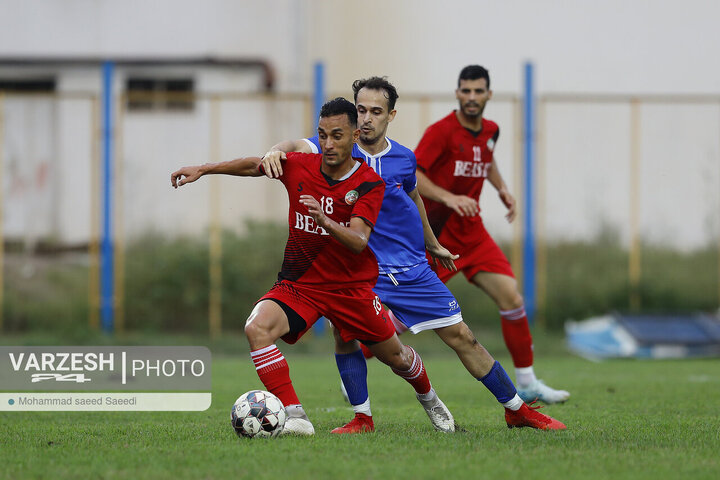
(340, 106)
(377, 83)
(474, 72)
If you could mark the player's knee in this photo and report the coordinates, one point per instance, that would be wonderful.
(399, 363)
(457, 336)
(404, 359)
(251, 330)
(464, 337)
(397, 359)
(517, 300)
(511, 300)
(257, 329)
(467, 336)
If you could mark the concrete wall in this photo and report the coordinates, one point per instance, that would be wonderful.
(580, 46)
(584, 47)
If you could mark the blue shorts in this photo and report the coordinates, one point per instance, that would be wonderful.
(419, 300)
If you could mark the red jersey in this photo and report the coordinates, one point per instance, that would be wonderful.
(312, 256)
(458, 161)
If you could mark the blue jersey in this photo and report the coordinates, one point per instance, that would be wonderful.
(398, 240)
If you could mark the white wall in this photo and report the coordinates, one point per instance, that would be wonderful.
(272, 30)
(580, 46)
(614, 46)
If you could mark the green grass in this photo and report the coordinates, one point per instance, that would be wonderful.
(626, 419)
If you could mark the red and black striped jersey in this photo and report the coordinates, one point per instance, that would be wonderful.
(312, 256)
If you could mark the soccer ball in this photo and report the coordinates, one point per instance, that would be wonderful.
(258, 413)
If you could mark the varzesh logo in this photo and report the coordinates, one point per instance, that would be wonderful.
(63, 366)
(78, 367)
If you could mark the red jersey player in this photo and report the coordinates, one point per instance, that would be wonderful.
(454, 157)
(327, 270)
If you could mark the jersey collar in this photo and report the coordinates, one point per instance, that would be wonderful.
(380, 154)
(332, 182)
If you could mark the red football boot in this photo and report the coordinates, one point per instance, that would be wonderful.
(528, 416)
(360, 424)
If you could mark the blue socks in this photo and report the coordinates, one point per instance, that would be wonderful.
(499, 384)
(353, 372)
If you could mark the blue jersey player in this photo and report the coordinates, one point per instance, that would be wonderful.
(407, 284)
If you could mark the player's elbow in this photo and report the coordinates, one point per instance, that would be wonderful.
(359, 244)
(357, 249)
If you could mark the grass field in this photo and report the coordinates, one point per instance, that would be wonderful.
(626, 419)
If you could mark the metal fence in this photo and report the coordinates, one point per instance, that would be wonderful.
(644, 168)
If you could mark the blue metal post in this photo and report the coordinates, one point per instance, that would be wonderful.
(318, 101)
(107, 287)
(319, 91)
(529, 227)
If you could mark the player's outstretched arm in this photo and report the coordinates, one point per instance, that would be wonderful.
(436, 251)
(272, 160)
(355, 237)
(506, 197)
(460, 204)
(244, 167)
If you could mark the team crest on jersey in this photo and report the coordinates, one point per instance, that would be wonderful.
(351, 197)
(491, 144)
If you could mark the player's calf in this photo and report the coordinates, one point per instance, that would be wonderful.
(408, 365)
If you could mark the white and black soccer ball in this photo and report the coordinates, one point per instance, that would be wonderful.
(258, 413)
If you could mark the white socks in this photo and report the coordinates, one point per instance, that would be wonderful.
(525, 376)
(427, 396)
(363, 408)
(514, 404)
(296, 411)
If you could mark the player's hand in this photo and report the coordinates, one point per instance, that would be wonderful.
(509, 201)
(185, 175)
(463, 205)
(314, 209)
(443, 256)
(271, 163)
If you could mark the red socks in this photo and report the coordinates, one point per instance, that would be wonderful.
(516, 332)
(274, 373)
(416, 376)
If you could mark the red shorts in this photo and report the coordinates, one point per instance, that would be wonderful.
(357, 313)
(483, 256)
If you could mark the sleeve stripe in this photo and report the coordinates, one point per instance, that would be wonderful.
(370, 224)
(313, 147)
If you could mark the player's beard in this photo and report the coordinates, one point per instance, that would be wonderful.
(368, 139)
(332, 160)
(473, 115)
